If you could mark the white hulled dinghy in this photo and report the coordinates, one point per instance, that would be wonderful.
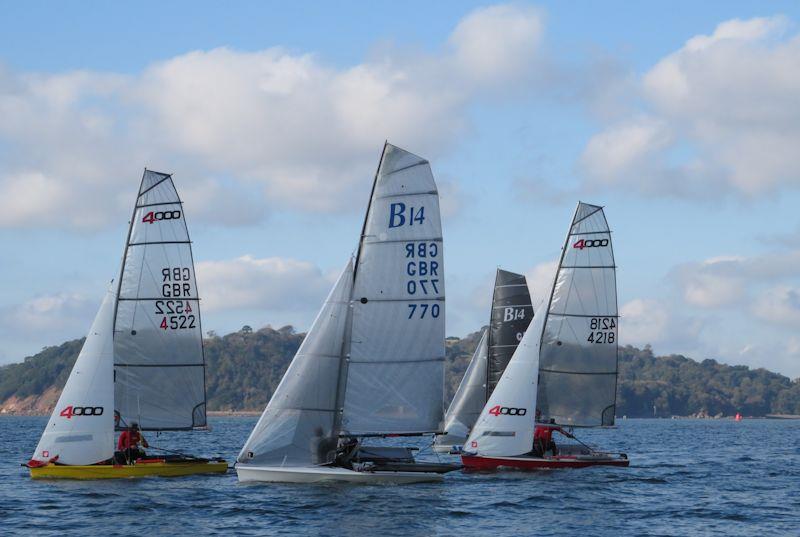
(372, 363)
(142, 361)
(510, 316)
(565, 368)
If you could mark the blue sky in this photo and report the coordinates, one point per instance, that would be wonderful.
(679, 117)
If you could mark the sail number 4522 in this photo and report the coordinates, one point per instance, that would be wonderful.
(602, 330)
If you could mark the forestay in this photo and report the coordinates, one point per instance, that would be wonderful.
(81, 428)
(159, 368)
(511, 314)
(578, 362)
(468, 400)
(395, 371)
(297, 427)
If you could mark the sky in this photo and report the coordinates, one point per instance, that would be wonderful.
(681, 118)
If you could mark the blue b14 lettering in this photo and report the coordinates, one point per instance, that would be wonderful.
(399, 216)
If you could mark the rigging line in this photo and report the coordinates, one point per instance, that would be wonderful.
(421, 163)
(557, 371)
(597, 208)
(401, 194)
(158, 242)
(160, 203)
(369, 243)
(156, 184)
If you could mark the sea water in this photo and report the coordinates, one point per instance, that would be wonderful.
(687, 477)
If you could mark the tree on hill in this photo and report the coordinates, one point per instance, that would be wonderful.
(244, 368)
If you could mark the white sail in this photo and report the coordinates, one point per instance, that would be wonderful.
(297, 427)
(505, 426)
(158, 347)
(395, 369)
(578, 362)
(468, 400)
(81, 428)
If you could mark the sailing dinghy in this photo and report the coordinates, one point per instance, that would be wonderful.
(142, 361)
(565, 366)
(372, 363)
(510, 316)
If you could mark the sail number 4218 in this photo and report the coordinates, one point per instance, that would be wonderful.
(602, 330)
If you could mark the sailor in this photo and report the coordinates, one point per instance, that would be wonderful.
(128, 444)
(543, 437)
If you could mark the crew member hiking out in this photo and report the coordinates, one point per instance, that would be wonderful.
(128, 445)
(543, 438)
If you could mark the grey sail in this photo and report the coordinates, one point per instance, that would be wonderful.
(469, 399)
(159, 369)
(578, 357)
(394, 376)
(297, 427)
(512, 312)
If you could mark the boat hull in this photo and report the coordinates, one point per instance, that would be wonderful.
(477, 462)
(324, 474)
(107, 471)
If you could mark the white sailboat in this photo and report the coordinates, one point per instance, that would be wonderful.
(510, 316)
(143, 357)
(565, 368)
(372, 364)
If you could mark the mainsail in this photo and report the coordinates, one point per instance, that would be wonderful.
(578, 362)
(373, 361)
(395, 361)
(511, 314)
(159, 369)
(468, 400)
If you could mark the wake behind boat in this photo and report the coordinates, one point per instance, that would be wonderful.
(372, 364)
(564, 371)
(142, 366)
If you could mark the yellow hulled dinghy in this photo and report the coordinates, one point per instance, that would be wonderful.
(141, 468)
(142, 366)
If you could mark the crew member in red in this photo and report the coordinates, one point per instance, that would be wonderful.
(543, 437)
(128, 444)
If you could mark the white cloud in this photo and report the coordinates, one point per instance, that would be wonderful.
(720, 115)
(779, 305)
(540, 281)
(270, 284)
(286, 129)
(495, 44)
(49, 318)
(643, 321)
